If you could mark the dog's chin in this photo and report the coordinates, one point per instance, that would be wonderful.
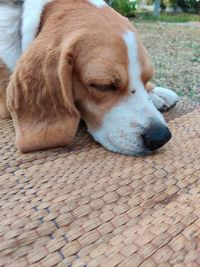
(141, 153)
(137, 151)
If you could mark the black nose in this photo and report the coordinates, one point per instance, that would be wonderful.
(156, 136)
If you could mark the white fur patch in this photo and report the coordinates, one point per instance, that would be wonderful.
(163, 98)
(10, 42)
(98, 3)
(124, 125)
(14, 37)
(31, 19)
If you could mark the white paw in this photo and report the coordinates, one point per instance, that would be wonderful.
(163, 98)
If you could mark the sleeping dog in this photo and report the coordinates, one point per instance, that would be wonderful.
(78, 59)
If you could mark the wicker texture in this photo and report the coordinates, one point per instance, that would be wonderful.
(85, 206)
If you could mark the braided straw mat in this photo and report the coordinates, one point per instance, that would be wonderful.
(85, 206)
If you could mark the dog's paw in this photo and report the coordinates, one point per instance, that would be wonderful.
(163, 98)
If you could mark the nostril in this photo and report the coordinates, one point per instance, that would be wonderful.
(156, 136)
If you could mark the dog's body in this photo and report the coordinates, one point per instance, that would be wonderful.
(80, 59)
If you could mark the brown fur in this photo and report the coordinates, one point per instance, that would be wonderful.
(53, 82)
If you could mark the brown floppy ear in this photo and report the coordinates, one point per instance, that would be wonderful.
(40, 97)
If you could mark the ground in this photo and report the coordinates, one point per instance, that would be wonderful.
(175, 53)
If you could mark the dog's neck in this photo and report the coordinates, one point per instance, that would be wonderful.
(10, 37)
(32, 11)
(19, 22)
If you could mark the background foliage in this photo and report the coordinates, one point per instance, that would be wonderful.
(125, 7)
(191, 6)
(128, 7)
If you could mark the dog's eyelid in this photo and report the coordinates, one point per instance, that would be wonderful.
(104, 87)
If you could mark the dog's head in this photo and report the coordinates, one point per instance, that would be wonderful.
(87, 62)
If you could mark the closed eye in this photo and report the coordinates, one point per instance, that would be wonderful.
(104, 87)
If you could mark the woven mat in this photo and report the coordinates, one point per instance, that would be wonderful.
(85, 206)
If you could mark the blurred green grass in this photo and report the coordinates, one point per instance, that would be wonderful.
(164, 17)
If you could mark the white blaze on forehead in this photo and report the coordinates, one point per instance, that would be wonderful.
(134, 67)
(98, 3)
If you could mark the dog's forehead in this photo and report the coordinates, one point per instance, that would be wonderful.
(122, 28)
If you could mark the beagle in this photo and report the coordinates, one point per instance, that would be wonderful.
(78, 59)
